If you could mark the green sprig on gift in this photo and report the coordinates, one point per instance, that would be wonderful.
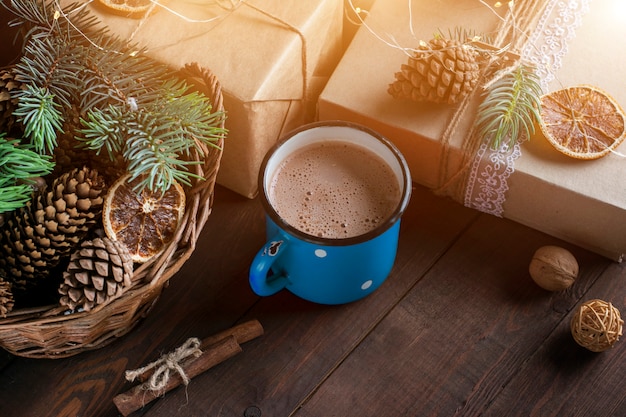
(510, 107)
(447, 70)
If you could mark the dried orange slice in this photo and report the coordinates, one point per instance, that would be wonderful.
(144, 222)
(129, 8)
(583, 122)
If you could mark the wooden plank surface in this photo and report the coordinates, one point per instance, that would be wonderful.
(564, 379)
(304, 342)
(457, 329)
(464, 332)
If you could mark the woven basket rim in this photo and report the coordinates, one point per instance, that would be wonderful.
(21, 331)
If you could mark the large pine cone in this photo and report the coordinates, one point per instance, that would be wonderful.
(8, 84)
(67, 155)
(36, 237)
(99, 272)
(70, 154)
(441, 71)
(6, 297)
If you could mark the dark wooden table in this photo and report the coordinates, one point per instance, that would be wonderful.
(458, 329)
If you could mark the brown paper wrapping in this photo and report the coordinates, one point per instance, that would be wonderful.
(272, 59)
(583, 202)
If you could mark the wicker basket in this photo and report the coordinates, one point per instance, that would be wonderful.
(49, 332)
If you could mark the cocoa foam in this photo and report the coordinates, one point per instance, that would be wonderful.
(334, 190)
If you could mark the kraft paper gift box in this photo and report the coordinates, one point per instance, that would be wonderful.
(570, 43)
(351, 17)
(271, 57)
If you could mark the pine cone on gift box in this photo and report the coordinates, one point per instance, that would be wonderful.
(100, 270)
(440, 71)
(6, 297)
(8, 84)
(36, 237)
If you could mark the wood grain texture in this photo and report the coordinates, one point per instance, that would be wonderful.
(304, 342)
(463, 333)
(458, 329)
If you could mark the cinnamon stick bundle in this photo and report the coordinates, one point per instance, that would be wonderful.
(214, 350)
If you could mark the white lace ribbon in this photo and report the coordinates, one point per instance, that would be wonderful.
(490, 170)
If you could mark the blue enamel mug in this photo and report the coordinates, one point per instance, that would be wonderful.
(322, 269)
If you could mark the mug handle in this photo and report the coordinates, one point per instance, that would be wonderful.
(259, 281)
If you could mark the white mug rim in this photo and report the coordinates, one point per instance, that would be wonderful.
(401, 170)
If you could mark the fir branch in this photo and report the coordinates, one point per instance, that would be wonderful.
(85, 66)
(41, 117)
(123, 98)
(18, 161)
(104, 129)
(18, 164)
(510, 108)
(54, 66)
(157, 139)
(190, 114)
(35, 13)
(13, 197)
(119, 73)
(42, 18)
(153, 152)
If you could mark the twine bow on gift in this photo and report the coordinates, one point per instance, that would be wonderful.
(460, 180)
(166, 364)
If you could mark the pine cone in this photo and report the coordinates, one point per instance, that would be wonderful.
(36, 237)
(442, 71)
(99, 272)
(67, 156)
(8, 83)
(6, 297)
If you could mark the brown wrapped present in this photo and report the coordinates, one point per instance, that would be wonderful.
(583, 202)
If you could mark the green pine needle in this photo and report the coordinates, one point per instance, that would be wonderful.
(129, 105)
(12, 197)
(104, 129)
(18, 164)
(510, 109)
(41, 117)
(158, 139)
(18, 161)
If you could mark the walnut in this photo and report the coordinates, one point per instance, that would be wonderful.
(553, 268)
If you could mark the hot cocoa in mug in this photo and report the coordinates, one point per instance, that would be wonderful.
(334, 189)
(333, 193)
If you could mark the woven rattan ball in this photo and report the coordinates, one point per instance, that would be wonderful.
(596, 325)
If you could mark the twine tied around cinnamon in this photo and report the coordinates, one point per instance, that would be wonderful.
(166, 364)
